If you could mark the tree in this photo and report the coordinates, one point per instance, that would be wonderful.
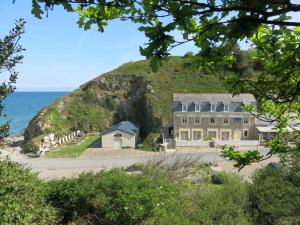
(216, 27)
(10, 56)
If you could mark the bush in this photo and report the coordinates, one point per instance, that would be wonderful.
(275, 195)
(112, 197)
(21, 197)
(223, 204)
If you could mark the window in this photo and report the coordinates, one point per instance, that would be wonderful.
(184, 108)
(118, 135)
(184, 135)
(245, 133)
(197, 135)
(212, 134)
(212, 107)
(226, 108)
(238, 119)
(184, 120)
(197, 108)
(225, 135)
(197, 120)
(225, 120)
(246, 120)
(212, 120)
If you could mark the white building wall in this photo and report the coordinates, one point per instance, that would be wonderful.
(128, 140)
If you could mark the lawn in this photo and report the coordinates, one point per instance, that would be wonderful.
(72, 149)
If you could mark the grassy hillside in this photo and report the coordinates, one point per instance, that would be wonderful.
(130, 92)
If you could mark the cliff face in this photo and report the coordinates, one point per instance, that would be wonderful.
(131, 92)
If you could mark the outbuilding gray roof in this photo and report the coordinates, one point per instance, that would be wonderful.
(214, 98)
(125, 126)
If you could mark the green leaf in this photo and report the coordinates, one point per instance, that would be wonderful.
(36, 9)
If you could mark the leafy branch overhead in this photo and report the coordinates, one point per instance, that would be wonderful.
(208, 24)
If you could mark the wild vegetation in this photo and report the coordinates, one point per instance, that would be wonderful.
(184, 192)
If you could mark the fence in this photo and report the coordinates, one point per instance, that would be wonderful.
(238, 142)
(171, 143)
(201, 143)
(183, 143)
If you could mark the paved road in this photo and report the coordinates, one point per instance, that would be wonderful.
(109, 162)
(50, 168)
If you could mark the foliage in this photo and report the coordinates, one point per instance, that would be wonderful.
(218, 203)
(152, 197)
(73, 149)
(111, 197)
(275, 194)
(276, 87)
(21, 199)
(32, 145)
(10, 56)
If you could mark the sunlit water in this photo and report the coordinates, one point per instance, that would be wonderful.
(21, 107)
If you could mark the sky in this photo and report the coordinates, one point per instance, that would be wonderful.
(61, 56)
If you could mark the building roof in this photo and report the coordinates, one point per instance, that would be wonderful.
(125, 126)
(213, 97)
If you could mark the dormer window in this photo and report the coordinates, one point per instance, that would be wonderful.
(213, 107)
(226, 108)
(197, 108)
(184, 108)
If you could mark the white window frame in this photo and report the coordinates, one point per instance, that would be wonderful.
(226, 105)
(184, 106)
(225, 130)
(213, 130)
(197, 110)
(213, 106)
(197, 130)
(188, 134)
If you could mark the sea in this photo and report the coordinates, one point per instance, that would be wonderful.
(21, 107)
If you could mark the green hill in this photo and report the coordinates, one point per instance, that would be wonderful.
(130, 92)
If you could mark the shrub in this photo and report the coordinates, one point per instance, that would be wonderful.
(275, 195)
(223, 204)
(113, 197)
(21, 197)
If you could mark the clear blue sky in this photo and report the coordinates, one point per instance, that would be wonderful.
(60, 55)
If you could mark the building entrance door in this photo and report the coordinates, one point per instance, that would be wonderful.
(237, 135)
(117, 143)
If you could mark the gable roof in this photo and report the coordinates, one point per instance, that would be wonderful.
(125, 126)
(213, 97)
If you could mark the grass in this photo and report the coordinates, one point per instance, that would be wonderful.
(72, 149)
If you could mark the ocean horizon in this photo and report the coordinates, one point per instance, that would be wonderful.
(21, 106)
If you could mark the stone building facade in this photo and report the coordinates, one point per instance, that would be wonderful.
(217, 116)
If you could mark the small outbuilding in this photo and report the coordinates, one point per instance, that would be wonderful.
(123, 134)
